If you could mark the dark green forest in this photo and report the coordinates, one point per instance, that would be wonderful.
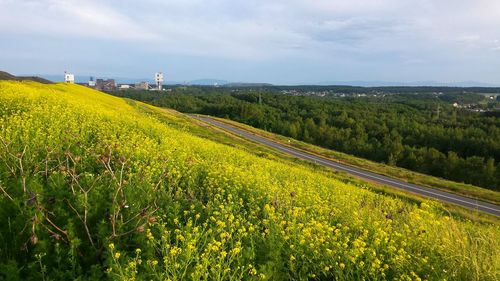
(422, 132)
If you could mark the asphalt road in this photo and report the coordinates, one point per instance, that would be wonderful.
(420, 190)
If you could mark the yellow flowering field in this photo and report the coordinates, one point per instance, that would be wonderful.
(93, 188)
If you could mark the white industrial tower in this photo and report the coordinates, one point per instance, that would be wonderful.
(159, 80)
(91, 82)
(69, 78)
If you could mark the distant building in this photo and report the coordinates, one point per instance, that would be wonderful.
(69, 78)
(105, 85)
(91, 82)
(159, 80)
(141, 86)
(124, 87)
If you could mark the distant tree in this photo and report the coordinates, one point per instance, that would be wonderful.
(452, 166)
(489, 173)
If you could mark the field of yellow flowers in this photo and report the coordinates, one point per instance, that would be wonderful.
(93, 188)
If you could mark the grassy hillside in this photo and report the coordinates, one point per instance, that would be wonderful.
(7, 76)
(97, 187)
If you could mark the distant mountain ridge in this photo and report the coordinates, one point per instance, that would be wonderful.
(241, 84)
(407, 84)
(221, 82)
(208, 82)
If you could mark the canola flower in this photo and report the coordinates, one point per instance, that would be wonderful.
(108, 171)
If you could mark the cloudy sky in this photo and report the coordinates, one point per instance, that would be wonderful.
(284, 42)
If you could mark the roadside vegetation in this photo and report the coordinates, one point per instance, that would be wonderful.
(97, 187)
(467, 190)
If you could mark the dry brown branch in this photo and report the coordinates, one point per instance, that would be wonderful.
(84, 221)
(6, 194)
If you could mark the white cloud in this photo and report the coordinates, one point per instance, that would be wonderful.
(70, 18)
(261, 28)
(385, 33)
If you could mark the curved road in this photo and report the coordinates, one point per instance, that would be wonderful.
(421, 190)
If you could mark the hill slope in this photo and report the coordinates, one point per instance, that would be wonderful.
(467, 190)
(7, 76)
(95, 186)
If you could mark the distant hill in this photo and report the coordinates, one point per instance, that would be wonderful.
(208, 82)
(406, 84)
(7, 76)
(243, 85)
